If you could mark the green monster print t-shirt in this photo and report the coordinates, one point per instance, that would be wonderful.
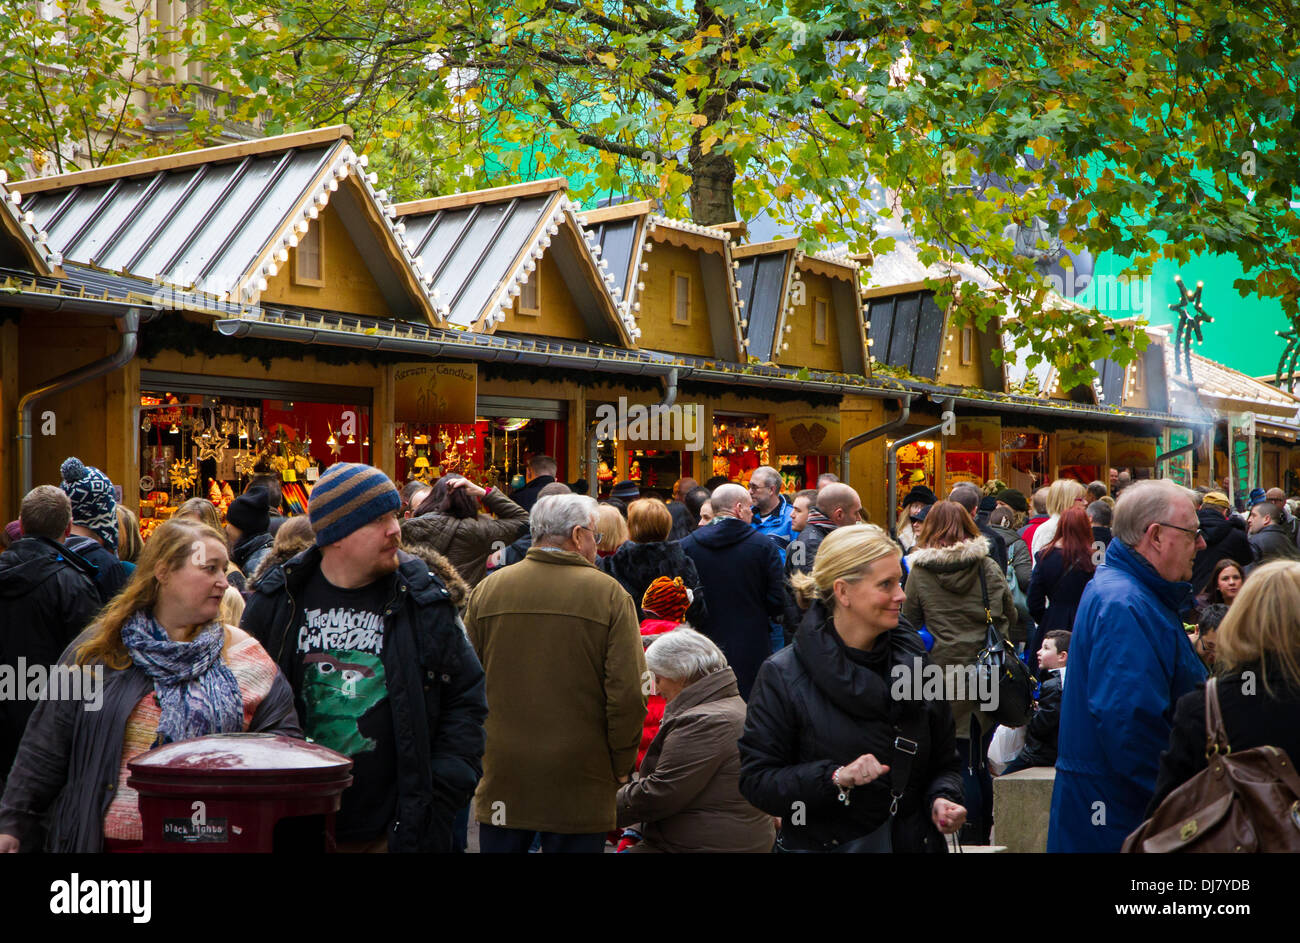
(345, 693)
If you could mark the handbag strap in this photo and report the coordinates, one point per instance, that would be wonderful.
(1216, 737)
(984, 592)
(907, 741)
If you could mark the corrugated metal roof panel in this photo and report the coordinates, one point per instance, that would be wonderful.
(205, 222)
(617, 241)
(471, 249)
(763, 289)
(906, 331)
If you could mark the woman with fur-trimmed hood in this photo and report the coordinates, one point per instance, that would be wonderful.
(440, 567)
(943, 593)
(945, 596)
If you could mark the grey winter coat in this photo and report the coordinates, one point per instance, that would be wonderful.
(70, 758)
(1018, 553)
(943, 594)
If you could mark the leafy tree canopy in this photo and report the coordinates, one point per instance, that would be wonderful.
(1149, 130)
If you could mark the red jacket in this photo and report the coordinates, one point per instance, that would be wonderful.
(655, 706)
(1028, 532)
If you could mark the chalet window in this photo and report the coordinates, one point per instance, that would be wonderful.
(530, 295)
(681, 298)
(967, 345)
(1138, 372)
(309, 262)
(821, 314)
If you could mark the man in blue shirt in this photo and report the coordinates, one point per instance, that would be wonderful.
(774, 518)
(773, 514)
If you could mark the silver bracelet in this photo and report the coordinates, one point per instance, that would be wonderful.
(835, 780)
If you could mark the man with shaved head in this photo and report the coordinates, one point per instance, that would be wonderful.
(1278, 497)
(740, 572)
(837, 505)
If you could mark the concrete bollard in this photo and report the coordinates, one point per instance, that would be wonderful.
(1022, 808)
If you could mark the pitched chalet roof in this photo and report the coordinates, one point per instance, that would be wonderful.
(481, 247)
(20, 241)
(1216, 386)
(222, 220)
(625, 231)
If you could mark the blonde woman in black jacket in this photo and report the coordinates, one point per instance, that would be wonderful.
(839, 743)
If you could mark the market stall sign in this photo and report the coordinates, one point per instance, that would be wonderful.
(810, 433)
(435, 392)
(978, 434)
(1081, 448)
(1132, 451)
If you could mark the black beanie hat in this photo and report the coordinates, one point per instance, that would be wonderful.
(988, 503)
(1013, 499)
(250, 512)
(919, 494)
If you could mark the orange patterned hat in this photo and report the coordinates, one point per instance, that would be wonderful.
(666, 598)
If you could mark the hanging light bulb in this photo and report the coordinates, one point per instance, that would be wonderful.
(366, 440)
(174, 429)
(331, 440)
(351, 439)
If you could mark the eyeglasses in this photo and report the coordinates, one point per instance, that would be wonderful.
(1197, 534)
(595, 534)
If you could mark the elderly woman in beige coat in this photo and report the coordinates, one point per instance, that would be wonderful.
(687, 797)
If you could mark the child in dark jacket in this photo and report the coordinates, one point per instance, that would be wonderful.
(1040, 739)
(665, 603)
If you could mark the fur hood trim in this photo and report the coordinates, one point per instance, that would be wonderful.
(440, 567)
(959, 556)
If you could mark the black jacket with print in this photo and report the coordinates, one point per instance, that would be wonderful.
(435, 687)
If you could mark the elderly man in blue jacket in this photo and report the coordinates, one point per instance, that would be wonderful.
(1130, 661)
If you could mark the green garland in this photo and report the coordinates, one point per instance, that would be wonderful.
(190, 338)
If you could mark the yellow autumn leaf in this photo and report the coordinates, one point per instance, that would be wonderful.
(608, 59)
(698, 121)
(929, 26)
(707, 144)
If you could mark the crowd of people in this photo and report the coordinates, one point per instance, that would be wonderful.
(718, 672)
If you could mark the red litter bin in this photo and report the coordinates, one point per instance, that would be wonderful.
(239, 792)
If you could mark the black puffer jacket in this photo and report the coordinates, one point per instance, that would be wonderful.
(1040, 738)
(1224, 537)
(435, 688)
(815, 708)
(636, 566)
(46, 599)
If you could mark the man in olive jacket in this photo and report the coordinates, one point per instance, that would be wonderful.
(566, 688)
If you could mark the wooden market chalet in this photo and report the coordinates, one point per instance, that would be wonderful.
(184, 321)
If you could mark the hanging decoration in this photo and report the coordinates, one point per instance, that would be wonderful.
(183, 474)
(1188, 324)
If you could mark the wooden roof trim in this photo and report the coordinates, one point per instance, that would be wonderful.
(618, 211)
(738, 228)
(763, 248)
(453, 201)
(885, 291)
(18, 231)
(207, 155)
(826, 268)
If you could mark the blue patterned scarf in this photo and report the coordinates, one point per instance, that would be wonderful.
(197, 692)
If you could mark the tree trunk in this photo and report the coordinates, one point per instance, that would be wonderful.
(713, 175)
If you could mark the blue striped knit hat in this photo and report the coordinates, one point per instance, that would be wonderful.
(94, 506)
(348, 497)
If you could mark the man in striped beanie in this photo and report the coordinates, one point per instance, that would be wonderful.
(362, 630)
(94, 524)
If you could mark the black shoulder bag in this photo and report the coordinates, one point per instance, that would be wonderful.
(1000, 668)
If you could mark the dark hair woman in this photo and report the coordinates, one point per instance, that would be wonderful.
(949, 574)
(448, 520)
(170, 671)
(1062, 571)
(1225, 583)
(823, 730)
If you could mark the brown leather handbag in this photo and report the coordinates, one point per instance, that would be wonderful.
(1247, 802)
